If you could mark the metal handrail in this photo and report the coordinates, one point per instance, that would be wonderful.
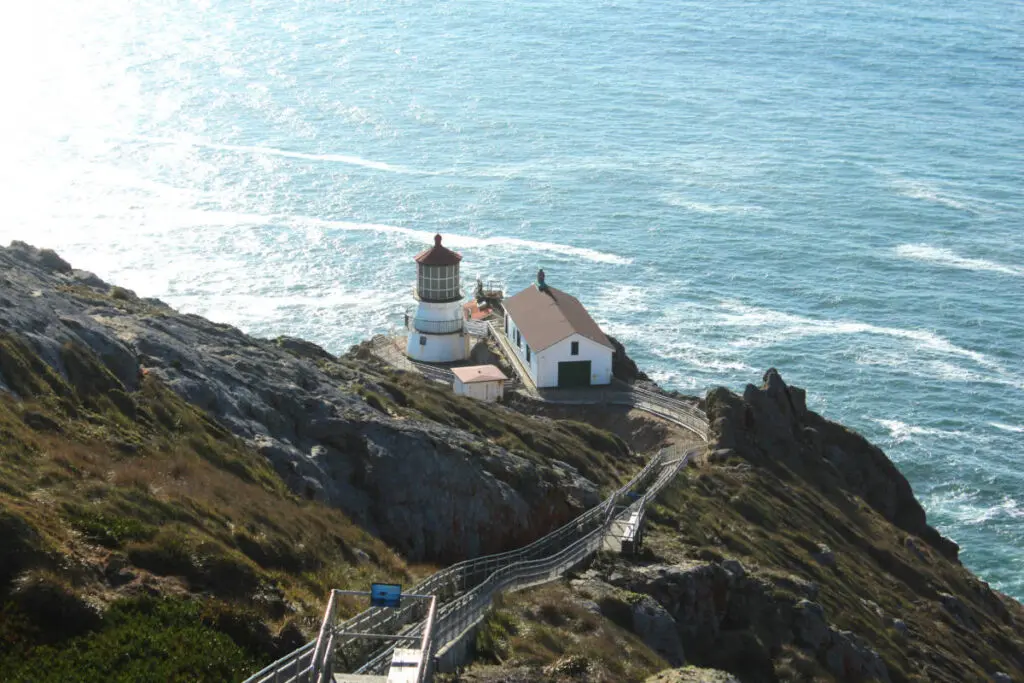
(456, 582)
(458, 577)
(467, 609)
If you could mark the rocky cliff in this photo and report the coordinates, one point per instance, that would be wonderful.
(332, 428)
(792, 551)
(177, 497)
(149, 458)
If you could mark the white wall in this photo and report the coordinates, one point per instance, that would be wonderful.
(543, 366)
(521, 350)
(481, 391)
(600, 358)
(440, 348)
(428, 310)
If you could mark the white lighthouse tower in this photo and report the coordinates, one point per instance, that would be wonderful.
(437, 333)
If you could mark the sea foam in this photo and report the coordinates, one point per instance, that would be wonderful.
(275, 152)
(947, 257)
(471, 241)
(901, 431)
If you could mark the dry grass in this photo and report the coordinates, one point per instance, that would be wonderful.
(775, 524)
(153, 484)
(549, 632)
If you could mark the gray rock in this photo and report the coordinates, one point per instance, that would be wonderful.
(824, 556)
(735, 568)
(314, 427)
(721, 454)
(911, 545)
(958, 610)
(772, 421)
(899, 626)
(809, 624)
(850, 659)
(657, 629)
(692, 674)
(1001, 677)
(88, 279)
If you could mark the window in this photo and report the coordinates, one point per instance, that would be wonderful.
(423, 340)
(574, 349)
(527, 353)
(506, 324)
(519, 340)
(438, 283)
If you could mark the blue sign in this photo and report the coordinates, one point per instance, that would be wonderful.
(385, 594)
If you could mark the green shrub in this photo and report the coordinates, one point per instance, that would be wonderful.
(139, 641)
(106, 528)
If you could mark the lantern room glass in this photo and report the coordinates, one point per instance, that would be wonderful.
(438, 283)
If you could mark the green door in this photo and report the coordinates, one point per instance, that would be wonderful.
(574, 373)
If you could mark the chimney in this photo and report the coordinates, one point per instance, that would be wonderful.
(540, 280)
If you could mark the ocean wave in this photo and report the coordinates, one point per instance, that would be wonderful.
(916, 189)
(967, 508)
(701, 207)
(770, 326)
(1007, 428)
(946, 257)
(901, 431)
(273, 151)
(471, 241)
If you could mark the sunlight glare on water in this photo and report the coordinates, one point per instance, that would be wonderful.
(833, 189)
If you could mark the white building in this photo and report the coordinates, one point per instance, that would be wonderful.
(436, 331)
(482, 382)
(556, 338)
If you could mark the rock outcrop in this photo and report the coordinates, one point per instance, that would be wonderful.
(728, 615)
(432, 491)
(771, 424)
(623, 367)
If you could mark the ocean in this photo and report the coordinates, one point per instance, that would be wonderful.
(835, 189)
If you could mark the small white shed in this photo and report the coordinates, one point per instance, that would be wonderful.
(482, 382)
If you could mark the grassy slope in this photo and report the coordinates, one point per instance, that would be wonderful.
(772, 521)
(598, 455)
(547, 635)
(144, 542)
(141, 502)
(775, 520)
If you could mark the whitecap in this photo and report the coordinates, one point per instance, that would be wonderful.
(771, 326)
(1007, 428)
(273, 151)
(947, 257)
(702, 207)
(916, 189)
(472, 241)
(901, 431)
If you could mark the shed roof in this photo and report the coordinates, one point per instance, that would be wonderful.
(438, 255)
(479, 373)
(547, 316)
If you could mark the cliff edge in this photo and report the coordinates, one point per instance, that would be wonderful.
(794, 550)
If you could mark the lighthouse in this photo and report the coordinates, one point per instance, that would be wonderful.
(436, 332)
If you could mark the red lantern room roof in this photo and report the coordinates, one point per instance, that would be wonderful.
(438, 255)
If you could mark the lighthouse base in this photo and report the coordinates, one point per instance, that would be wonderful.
(437, 348)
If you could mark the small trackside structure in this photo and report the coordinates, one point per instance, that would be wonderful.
(557, 340)
(482, 382)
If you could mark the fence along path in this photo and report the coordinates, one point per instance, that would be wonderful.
(465, 590)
